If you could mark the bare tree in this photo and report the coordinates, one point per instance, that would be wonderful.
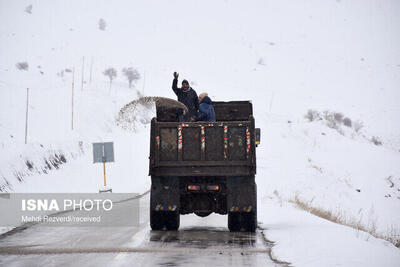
(131, 74)
(22, 66)
(338, 117)
(313, 115)
(357, 125)
(61, 73)
(347, 122)
(28, 9)
(376, 140)
(111, 73)
(102, 24)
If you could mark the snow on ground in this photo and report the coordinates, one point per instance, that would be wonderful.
(307, 240)
(285, 56)
(95, 122)
(347, 175)
(324, 179)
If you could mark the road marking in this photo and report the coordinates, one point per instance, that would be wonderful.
(136, 240)
(120, 256)
(28, 251)
(138, 234)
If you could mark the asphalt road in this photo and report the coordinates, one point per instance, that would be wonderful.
(199, 242)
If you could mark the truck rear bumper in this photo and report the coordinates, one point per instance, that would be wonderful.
(203, 195)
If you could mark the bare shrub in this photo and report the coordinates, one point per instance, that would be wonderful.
(60, 74)
(389, 179)
(347, 122)
(325, 114)
(331, 124)
(261, 61)
(338, 117)
(376, 141)
(339, 217)
(394, 235)
(111, 73)
(312, 115)
(358, 125)
(22, 66)
(335, 120)
(312, 165)
(131, 74)
(102, 24)
(28, 9)
(139, 94)
(330, 119)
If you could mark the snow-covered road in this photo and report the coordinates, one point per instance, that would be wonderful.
(199, 242)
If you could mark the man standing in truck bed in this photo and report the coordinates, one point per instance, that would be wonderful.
(187, 96)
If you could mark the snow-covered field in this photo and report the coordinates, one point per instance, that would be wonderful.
(286, 56)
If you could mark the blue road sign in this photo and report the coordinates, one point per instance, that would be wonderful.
(103, 152)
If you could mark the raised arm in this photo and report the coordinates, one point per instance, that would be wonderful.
(175, 83)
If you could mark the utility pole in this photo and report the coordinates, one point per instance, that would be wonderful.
(26, 117)
(270, 102)
(83, 72)
(144, 82)
(73, 81)
(91, 68)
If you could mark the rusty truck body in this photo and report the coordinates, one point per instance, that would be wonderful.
(203, 167)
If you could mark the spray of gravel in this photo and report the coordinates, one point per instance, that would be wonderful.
(139, 112)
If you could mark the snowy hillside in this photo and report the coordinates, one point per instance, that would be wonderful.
(288, 57)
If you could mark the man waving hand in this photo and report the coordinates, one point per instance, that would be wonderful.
(186, 95)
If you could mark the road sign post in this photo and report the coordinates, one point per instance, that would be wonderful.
(105, 180)
(103, 152)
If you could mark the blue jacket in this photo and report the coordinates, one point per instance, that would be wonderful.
(206, 110)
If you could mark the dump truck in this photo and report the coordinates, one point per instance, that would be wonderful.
(204, 167)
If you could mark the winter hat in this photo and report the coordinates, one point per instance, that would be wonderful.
(203, 95)
(185, 81)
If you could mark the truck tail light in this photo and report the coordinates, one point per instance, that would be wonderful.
(193, 187)
(212, 187)
(257, 132)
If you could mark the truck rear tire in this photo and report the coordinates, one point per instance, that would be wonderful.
(164, 195)
(246, 221)
(234, 222)
(172, 221)
(251, 221)
(156, 220)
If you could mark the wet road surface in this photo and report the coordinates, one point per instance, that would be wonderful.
(199, 242)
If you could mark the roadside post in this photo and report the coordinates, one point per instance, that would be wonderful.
(103, 152)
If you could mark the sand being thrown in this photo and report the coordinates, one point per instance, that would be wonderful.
(139, 112)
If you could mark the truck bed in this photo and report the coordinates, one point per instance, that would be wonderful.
(222, 148)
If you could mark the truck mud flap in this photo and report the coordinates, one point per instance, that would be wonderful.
(164, 194)
(241, 194)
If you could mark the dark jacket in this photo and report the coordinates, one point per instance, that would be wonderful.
(206, 110)
(188, 98)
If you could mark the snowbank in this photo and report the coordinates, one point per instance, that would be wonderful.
(306, 240)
